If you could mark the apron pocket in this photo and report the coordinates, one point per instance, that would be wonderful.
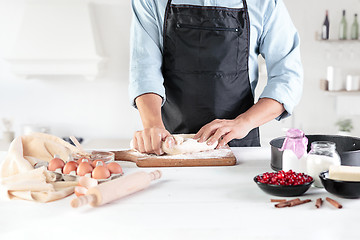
(204, 45)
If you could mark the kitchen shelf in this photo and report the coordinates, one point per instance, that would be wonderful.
(342, 92)
(338, 41)
(324, 87)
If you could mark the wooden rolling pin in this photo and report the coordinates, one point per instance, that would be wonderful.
(115, 189)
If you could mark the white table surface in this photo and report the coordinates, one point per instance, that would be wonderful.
(188, 203)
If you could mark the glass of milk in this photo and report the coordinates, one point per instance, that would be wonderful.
(322, 155)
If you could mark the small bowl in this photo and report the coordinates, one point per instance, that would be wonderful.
(282, 190)
(94, 155)
(344, 189)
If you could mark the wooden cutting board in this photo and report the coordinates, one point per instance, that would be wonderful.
(221, 157)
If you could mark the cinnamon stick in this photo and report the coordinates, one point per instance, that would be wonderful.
(334, 203)
(277, 200)
(286, 203)
(318, 203)
(295, 203)
(292, 203)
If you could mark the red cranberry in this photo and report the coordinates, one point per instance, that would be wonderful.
(289, 178)
(281, 175)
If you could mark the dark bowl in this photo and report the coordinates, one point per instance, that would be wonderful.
(347, 147)
(283, 191)
(344, 189)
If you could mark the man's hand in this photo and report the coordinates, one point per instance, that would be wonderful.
(223, 131)
(149, 140)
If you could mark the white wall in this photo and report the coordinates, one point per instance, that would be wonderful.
(101, 108)
(68, 106)
(317, 112)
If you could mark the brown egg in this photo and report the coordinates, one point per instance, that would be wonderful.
(84, 168)
(80, 160)
(55, 163)
(100, 172)
(114, 168)
(96, 161)
(69, 167)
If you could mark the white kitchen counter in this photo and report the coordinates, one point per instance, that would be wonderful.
(188, 203)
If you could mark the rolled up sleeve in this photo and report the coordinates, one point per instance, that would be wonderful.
(145, 52)
(280, 47)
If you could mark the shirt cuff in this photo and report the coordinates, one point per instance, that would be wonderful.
(137, 89)
(282, 94)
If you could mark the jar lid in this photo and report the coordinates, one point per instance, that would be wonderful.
(323, 145)
(296, 141)
(295, 133)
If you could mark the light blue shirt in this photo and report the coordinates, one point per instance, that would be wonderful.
(272, 34)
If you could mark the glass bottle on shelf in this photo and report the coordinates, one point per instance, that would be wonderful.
(321, 156)
(343, 27)
(325, 27)
(355, 29)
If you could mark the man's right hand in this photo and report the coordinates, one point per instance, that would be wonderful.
(149, 140)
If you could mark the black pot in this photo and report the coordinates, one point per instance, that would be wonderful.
(347, 147)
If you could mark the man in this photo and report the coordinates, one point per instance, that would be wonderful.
(194, 69)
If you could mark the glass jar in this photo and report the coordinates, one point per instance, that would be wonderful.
(294, 151)
(323, 154)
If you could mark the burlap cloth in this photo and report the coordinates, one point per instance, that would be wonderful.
(20, 180)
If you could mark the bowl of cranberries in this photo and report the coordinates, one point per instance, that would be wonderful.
(284, 184)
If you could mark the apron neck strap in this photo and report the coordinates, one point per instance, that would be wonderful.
(244, 4)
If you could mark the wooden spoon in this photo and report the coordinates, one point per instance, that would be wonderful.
(78, 145)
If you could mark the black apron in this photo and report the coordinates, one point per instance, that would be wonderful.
(205, 68)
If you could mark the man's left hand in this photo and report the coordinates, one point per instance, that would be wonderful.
(223, 131)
